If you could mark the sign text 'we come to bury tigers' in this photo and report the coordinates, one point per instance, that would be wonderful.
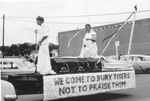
(62, 86)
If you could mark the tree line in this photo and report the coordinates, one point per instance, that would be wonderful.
(22, 49)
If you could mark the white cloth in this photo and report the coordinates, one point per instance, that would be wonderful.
(89, 48)
(43, 31)
(44, 63)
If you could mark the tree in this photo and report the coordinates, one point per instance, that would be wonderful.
(23, 49)
(52, 46)
(26, 48)
(5, 49)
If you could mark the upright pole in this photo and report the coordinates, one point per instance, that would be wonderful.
(36, 38)
(89, 18)
(131, 35)
(132, 30)
(3, 51)
(114, 34)
(117, 51)
(36, 31)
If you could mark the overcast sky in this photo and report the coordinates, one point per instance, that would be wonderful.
(62, 15)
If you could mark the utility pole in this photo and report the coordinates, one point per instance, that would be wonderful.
(3, 51)
(89, 18)
(36, 31)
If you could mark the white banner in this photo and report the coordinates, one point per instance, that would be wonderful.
(68, 85)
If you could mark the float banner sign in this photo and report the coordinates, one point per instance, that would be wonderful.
(70, 85)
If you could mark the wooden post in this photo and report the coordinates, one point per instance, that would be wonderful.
(3, 51)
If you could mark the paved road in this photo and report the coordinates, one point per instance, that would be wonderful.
(140, 93)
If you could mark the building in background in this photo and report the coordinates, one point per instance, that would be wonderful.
(34, 54)
(54, 52)
(140, 42)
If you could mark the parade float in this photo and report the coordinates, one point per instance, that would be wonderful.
(77, 76)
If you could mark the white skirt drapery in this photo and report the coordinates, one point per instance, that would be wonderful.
(44, 63)
(89, 49)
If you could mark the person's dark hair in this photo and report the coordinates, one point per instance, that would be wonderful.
(40, 18)
(88, 25)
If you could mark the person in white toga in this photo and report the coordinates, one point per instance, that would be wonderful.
(43, 63)
(89, 46)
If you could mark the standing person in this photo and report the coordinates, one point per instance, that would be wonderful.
(43, 64)
(120, 55)
(89, 46)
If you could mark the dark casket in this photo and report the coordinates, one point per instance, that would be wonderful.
(63, 65)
